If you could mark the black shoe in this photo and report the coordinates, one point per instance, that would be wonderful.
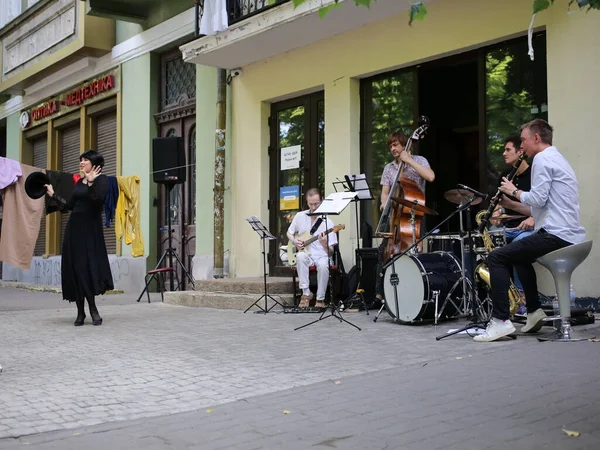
(96, 319)
(79, 321)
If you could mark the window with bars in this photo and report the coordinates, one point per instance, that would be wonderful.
(179, 80)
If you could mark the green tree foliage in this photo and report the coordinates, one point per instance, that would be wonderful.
(418, 11)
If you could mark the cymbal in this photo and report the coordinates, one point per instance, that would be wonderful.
(508, 217)
(460, 196)
(414, 205)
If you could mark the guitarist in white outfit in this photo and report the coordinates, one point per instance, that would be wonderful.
(318, 252)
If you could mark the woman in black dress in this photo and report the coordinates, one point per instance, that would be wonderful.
(84, 262)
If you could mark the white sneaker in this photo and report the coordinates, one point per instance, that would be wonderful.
(535, 321)
(496, 329)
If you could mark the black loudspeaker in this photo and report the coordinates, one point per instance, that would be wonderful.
(168, 160)
(368, 257)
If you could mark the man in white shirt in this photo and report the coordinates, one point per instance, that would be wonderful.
(553, 201)
(318, 253)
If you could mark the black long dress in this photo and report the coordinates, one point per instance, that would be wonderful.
(85, 270)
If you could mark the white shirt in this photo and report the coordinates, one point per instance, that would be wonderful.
(302, 223)
(554, 196)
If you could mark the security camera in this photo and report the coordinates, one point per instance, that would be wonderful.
(235, 72)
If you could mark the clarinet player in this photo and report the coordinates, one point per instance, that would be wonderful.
(553, 201)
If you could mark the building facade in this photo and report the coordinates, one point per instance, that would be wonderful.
(315, 99)
(309, 101)
(78, 75)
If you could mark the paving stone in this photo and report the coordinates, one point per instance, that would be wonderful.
(153, 370)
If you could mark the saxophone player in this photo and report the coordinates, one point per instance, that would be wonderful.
(515, 229)
(553, 201)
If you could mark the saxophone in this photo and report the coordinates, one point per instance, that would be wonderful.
(483, 272)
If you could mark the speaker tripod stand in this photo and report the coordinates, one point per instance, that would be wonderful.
(170, 252)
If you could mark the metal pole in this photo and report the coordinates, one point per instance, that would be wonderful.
(169, 188)
(219, 187)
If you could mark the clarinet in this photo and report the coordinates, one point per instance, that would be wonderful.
(494, 201)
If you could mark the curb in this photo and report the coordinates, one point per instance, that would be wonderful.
(45, 287)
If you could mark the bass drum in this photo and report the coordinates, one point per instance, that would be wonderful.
(412, 279)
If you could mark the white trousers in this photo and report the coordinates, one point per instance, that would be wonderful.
(303, 263)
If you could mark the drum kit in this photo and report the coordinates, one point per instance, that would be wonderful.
(438, 283)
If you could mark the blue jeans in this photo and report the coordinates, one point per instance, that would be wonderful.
(516, 235)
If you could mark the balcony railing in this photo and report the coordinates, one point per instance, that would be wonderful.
(238, 10)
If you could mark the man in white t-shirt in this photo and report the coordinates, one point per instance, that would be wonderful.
(319, 251)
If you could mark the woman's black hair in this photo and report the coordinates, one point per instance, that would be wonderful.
(94, 157)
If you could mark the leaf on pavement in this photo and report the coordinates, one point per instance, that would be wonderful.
(209, 410)
(571, 433)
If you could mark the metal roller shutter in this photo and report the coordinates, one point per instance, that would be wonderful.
(40, 159)
(69, 146)
(106, 144)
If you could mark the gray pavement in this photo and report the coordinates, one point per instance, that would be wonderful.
(161, 376)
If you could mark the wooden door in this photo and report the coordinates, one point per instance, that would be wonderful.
(181, 206)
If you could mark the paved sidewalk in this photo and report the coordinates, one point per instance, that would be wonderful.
(145, 378)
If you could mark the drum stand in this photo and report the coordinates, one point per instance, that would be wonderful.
(463, 278)
(480, 318)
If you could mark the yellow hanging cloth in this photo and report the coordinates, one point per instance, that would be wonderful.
(127, 215)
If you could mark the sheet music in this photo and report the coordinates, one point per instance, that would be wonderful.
(360, 185)
(335, 203)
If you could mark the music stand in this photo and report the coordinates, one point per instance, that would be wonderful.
(264, 234)
(360, 185)
(332, 205)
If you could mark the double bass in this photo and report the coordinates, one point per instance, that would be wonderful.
(396, 223)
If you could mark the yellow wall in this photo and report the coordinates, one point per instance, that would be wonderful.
(334, 65)
(574, 110)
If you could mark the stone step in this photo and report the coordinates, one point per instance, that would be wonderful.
(275, 285)
(224, 300)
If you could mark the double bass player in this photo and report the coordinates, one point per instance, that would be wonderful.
(416, 169)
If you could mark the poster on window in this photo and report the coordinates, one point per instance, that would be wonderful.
(289, 198)
(290, 157)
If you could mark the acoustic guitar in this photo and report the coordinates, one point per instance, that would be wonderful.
(308, 239)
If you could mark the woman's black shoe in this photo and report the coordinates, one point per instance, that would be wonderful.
(96, 319)
(79, 321)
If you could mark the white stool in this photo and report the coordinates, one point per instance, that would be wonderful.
(561, 264)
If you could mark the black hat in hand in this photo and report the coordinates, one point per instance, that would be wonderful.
(34, 184)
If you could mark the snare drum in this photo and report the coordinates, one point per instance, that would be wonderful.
(444, 243)
(412, 279)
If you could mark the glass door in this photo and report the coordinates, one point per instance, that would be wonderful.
(297, 153)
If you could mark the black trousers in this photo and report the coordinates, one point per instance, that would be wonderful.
(521, 255)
